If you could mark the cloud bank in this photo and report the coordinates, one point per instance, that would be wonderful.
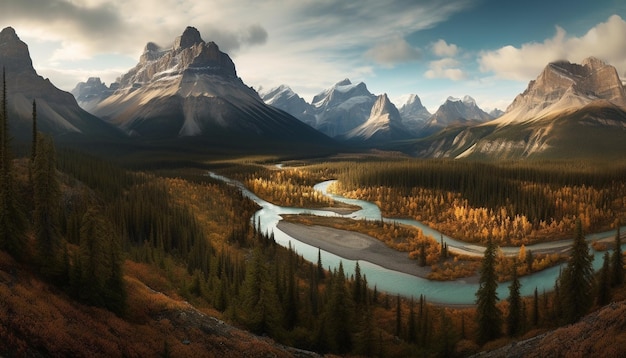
(606, 41)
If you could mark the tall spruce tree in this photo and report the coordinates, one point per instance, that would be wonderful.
(577, 280)
(33, 149)
(488, 315)
(604, 282)
(514, 317)
(617, 262)
(46, 196)
(339, 314)
(12, 219)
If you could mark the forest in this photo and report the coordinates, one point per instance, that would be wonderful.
(97, 234)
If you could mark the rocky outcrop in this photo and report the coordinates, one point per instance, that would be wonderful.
(384, 123)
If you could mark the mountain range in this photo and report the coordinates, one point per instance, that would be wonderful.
(191, 89)
(344, 107)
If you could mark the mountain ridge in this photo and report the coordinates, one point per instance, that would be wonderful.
(58, 113)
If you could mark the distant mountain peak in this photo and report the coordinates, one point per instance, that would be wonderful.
(344, 82)
(8, 32)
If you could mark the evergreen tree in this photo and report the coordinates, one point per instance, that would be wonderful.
(46, 196)
(514, 318)
(577, 280)
(320, 268)
(33, 149)
(617, 263)
(398, 316)
(604, 282)
(536, 308)
(339, 314)
(357, 292)
(12, 219)
(99, 267)
(488, 315)
(260, 304)
(411, 331)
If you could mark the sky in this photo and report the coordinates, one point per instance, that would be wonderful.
(488, 49)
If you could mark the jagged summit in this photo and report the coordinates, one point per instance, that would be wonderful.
(189, 56)
(16, 57)
(191, 36)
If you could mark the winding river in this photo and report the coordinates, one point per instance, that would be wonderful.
(458, 292)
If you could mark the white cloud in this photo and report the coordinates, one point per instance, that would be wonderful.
(396, 50)
(442, 49)
(606, 41)
(445, 68)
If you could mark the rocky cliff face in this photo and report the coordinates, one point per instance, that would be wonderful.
(414, 114)
(58, 113)
(383, 124)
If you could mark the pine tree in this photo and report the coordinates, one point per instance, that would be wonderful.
(99, 265)
(357, 288)
(46, 196)
(33, 149)
(411, 330)
(536, 308)
(320, 267)
(398, 316)
(617, 264)
(577, 280)
(12, 219)
(339, 314)
(260, 304)
(488, 315)
(604, 282)
(514, 317)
